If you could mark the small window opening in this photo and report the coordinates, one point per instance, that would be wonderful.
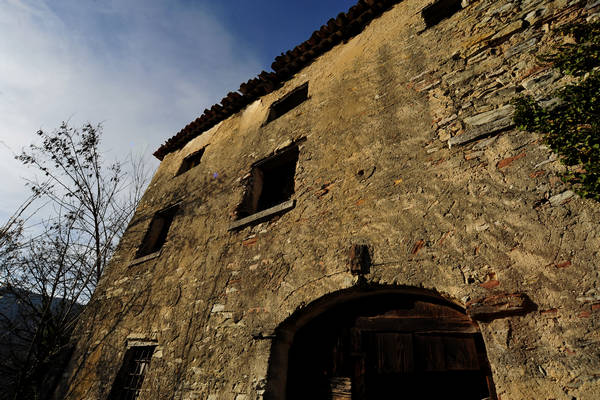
(190, 161)
(128, 384)
(271, 182)
(156, 235)
(440, 10)
(288, 102)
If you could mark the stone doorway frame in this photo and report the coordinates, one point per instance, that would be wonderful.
(286, 330)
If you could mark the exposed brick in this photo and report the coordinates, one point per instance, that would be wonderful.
(418, 246)
(507, 161)
(323, 190)
(250, 242)
(584, 314)
(490, 284)
(537, 174)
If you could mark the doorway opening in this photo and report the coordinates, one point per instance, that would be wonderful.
(382, 345)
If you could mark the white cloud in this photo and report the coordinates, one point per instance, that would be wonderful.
(144, 68)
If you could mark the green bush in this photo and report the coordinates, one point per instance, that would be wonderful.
(571, 129)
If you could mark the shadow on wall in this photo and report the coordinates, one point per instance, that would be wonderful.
(94, 347)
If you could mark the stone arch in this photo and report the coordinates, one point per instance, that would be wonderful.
(358, 343)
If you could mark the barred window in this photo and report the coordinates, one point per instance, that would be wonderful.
(128, 384)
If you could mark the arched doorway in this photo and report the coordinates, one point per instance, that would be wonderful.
(380, 344)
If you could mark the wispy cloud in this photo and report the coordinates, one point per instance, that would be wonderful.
(144, 68)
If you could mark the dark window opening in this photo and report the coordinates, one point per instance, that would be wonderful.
(190, 161)
(440, 10)
(288, 102)
(156, 235)
(129, 380)
(271, 182)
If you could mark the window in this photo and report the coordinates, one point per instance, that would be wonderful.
(288, 102)
(190, 162)
(440, 10)
(128, 382)
(156, 235)
(269, 187)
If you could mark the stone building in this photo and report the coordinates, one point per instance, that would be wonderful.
(363, 222)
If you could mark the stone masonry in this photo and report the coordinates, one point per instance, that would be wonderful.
(406, 145)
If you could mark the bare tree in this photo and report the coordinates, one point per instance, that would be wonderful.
(11, 233)
(99, 199)
(48, 272)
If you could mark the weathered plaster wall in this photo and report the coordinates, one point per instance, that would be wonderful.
(469, 221)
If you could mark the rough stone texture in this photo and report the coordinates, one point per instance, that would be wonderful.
(465, 222)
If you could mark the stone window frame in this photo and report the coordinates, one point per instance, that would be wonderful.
(189, 162)
(287, 103)
(170, 213)
(262, 215)
(280, 208)
(135, 363)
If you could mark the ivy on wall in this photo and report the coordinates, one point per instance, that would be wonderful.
(572, 129)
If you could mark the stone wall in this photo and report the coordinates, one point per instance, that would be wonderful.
(406, 145)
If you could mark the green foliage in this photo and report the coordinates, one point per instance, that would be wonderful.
(579, 57)
(572, 129)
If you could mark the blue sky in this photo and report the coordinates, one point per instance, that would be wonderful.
(144, 68)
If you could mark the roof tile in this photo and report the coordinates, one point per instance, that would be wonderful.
(344, 26)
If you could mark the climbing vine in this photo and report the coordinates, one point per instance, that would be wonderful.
(572, 128)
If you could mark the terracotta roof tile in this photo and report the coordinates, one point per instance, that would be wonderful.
(343, 27)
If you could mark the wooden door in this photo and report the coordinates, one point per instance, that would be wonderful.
(421, 350)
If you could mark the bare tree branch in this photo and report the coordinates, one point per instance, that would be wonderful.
(49, 271)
